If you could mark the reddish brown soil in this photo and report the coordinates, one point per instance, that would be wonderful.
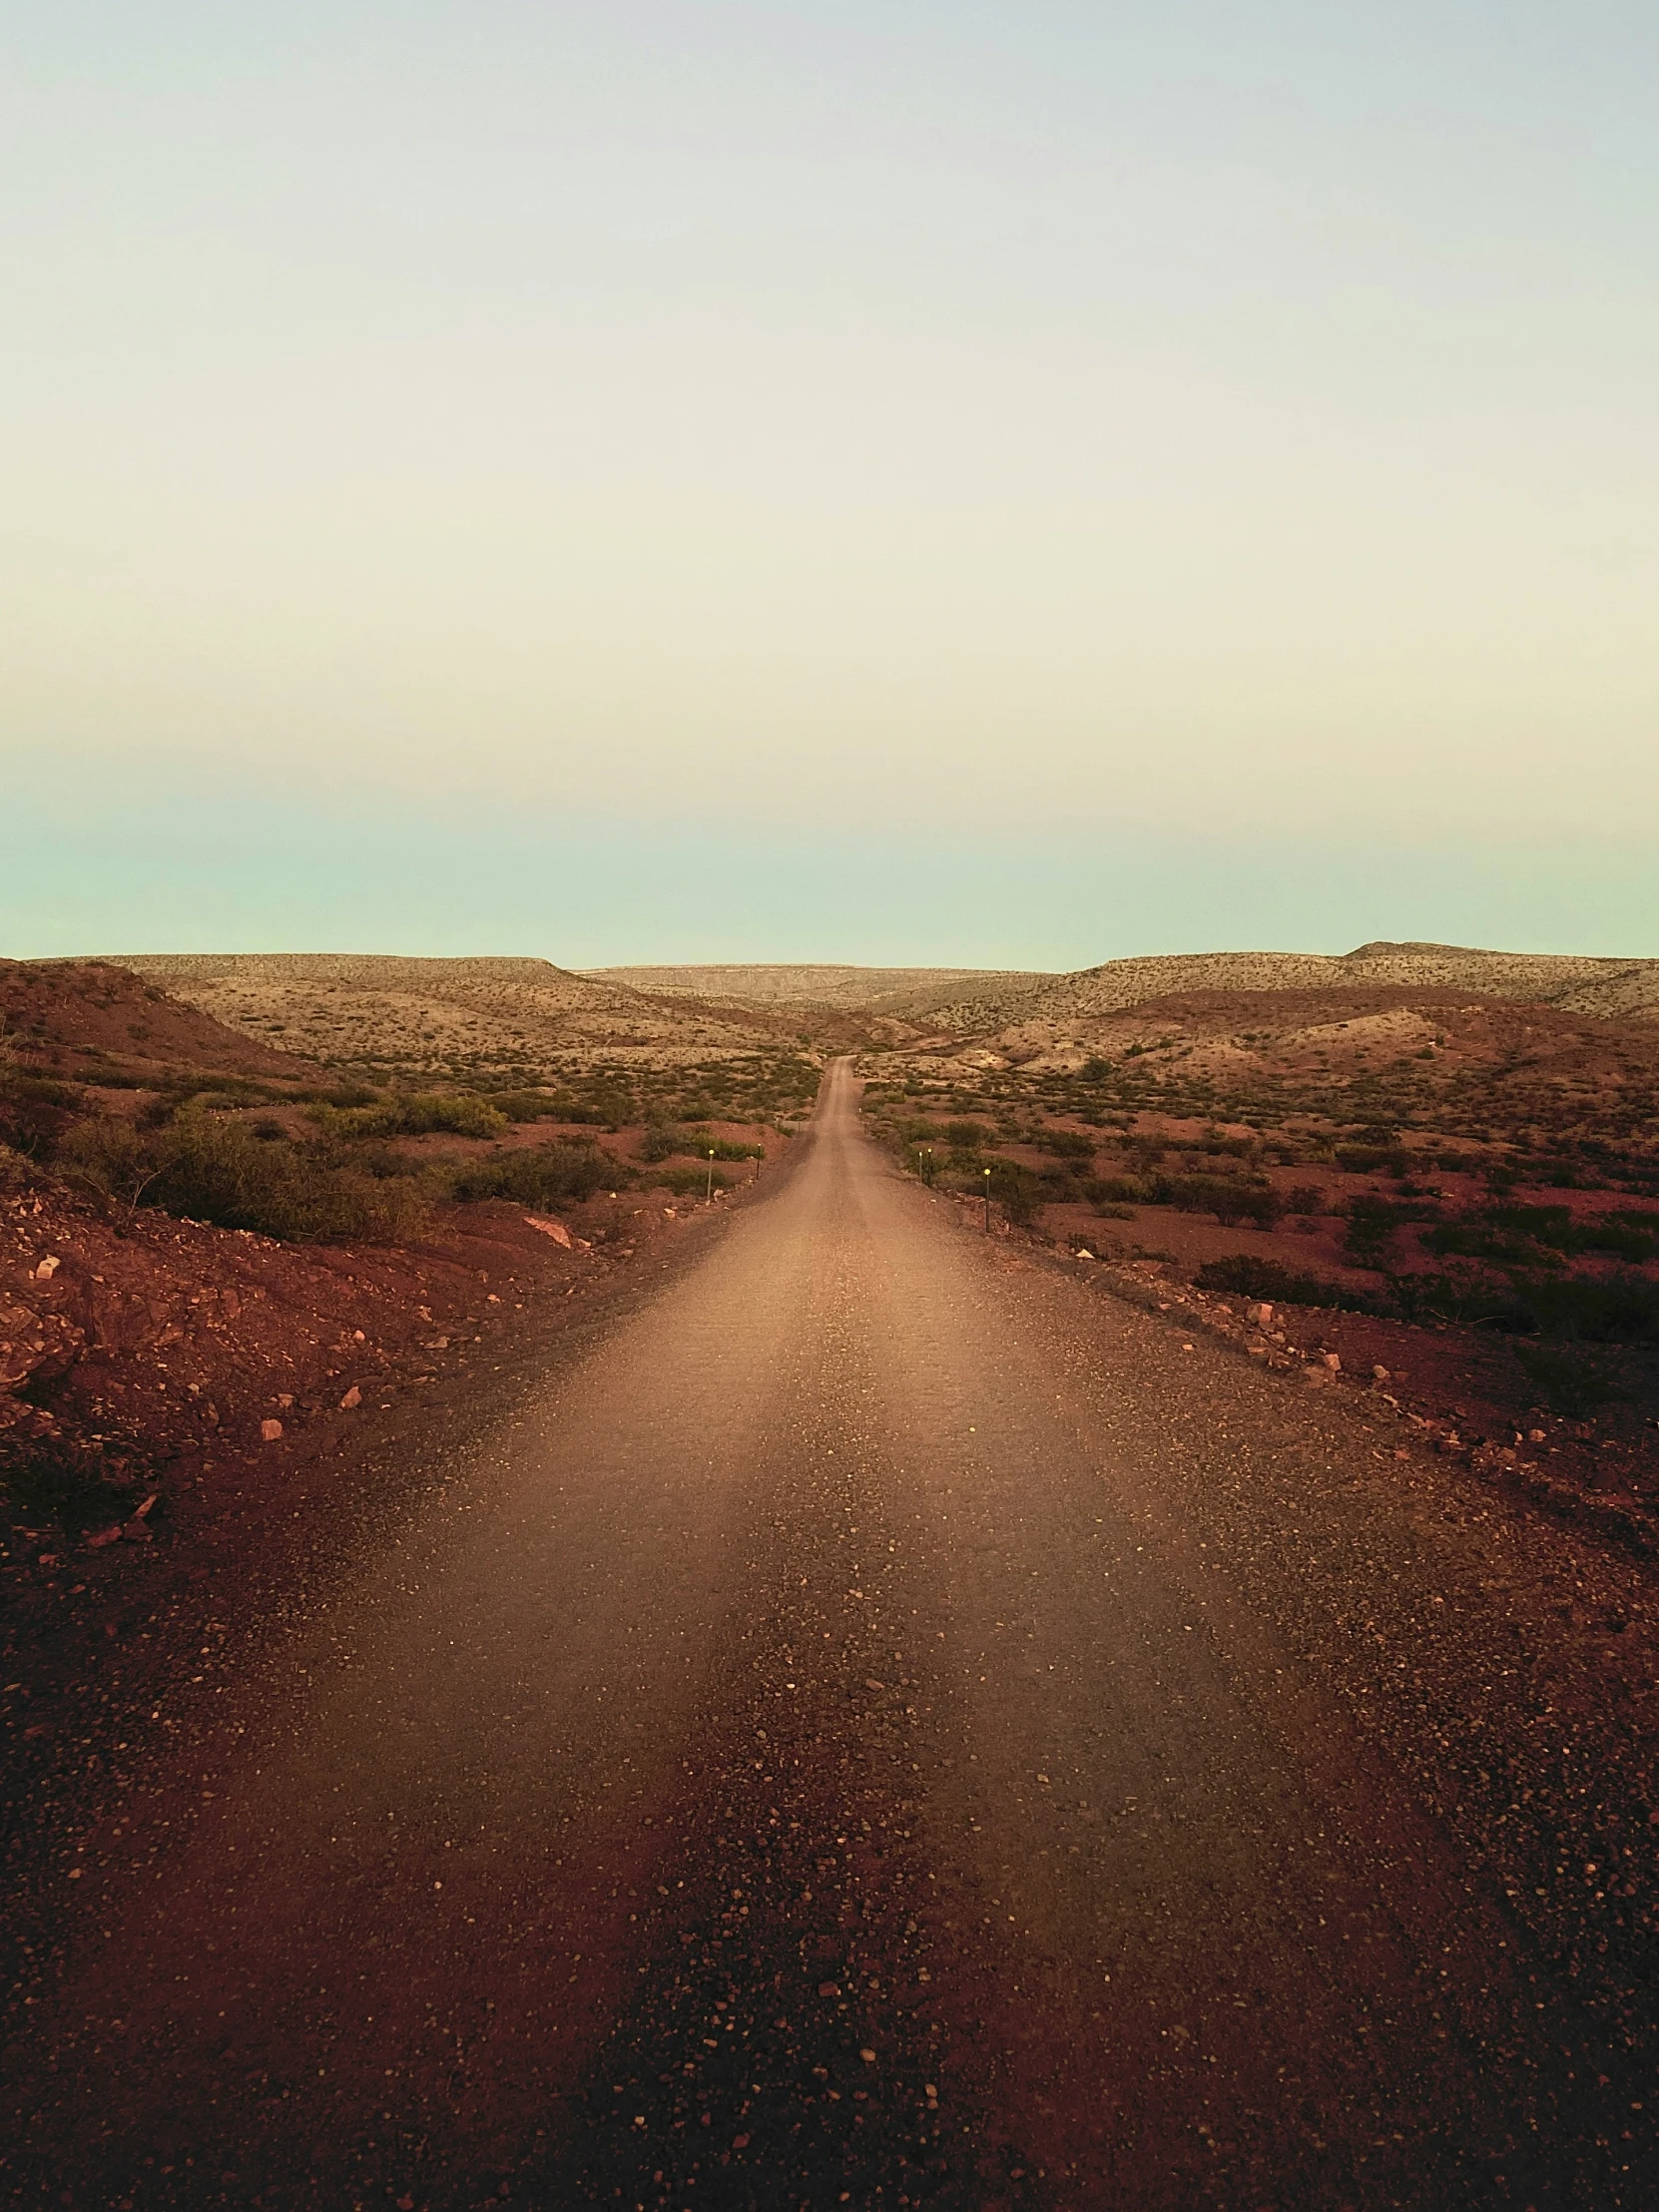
(69, 1014)
(878, 1726)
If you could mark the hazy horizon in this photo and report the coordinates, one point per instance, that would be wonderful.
(720, 481)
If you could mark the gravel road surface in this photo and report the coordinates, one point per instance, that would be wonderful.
(888, 1725)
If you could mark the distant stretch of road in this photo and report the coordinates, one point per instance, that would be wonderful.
(888, 1725)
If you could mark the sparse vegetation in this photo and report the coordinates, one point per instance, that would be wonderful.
(208, 1168)
(1246, 1275)
(562, 1172)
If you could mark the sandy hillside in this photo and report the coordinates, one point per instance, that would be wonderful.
(809, 986)
(441, 1017)
(1606, 987)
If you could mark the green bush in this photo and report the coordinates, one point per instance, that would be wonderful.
(566, 1170)
(205, 1167)
(460, 1113)
(688, 1182)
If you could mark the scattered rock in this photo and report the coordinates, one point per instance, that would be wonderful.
(353, 1397)
(270, 1431)
(554, 1229)
(48, 1268)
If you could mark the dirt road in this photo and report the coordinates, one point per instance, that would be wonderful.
(886, 1726)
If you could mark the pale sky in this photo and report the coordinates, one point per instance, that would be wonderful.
(1008, 484)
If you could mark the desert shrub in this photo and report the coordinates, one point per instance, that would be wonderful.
(1575, 1384)
(1520, 1233)
(1628, 1235)
(687, 1181)
(218, 1171)
(1018, 1190)
(1372, 1223)
(203, 1167)
(35, 1110)
(1218, 1141)
(111, 1155)
(1305, 1198)
(1229, 1198)
(1233, 1201)
(966, 1136)
(339, 1094)
(1467, 1297)
(666, 1144)
(522, 1106)
(460, 1113)
(1620, 1310)
(1247, 1277)
(1065, 1144)
(1365, 1159)
(1115, 1190)
(567, 1171)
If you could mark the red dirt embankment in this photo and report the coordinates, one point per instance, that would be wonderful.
(137, 1351)
(89, 1010)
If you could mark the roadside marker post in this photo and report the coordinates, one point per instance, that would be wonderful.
(708, 1194)
(987, 1202)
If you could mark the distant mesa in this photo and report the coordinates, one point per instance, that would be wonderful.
(1382, 947)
